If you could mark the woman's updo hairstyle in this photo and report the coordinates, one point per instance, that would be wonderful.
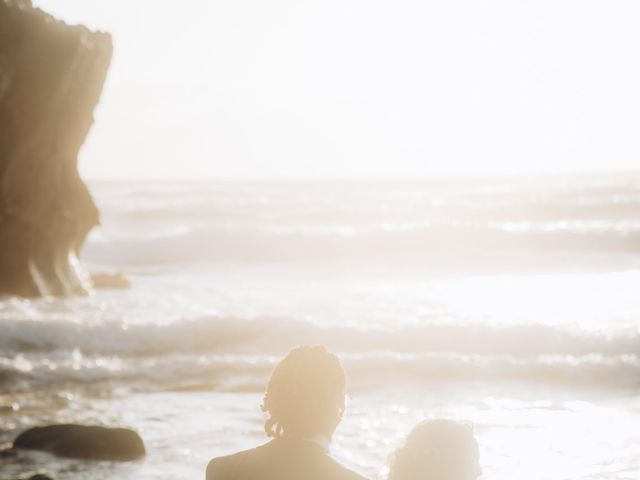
(436, 449)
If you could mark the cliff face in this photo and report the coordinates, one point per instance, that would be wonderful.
(51, 76)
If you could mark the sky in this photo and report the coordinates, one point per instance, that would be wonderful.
(363, 88)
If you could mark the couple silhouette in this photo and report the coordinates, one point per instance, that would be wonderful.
(304, 402)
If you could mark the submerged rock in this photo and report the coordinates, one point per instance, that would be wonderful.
(51, 77)
(83, 442)
(110, 280)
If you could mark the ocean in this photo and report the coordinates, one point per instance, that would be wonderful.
(511, 303)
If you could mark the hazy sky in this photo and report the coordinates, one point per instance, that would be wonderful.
(363, 88)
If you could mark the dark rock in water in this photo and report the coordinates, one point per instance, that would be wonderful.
(110, 280)
(8, 453)
(51, 77)
(84, 442)
(38, 476)
(12, 407)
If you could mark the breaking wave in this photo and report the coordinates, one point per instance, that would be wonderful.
(220, 353)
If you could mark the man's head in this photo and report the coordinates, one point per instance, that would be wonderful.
(305, 396)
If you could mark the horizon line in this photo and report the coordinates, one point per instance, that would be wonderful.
(372, 178)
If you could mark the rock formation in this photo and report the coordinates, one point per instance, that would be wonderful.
(84, 442)
(51, 77)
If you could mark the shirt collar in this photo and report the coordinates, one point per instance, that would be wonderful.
(320, 440)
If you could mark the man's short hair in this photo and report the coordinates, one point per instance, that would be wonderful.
(306, 393)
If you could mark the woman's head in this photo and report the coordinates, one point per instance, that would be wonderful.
(305, 396)
(437, 450)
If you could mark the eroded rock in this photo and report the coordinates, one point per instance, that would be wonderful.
(51, 77)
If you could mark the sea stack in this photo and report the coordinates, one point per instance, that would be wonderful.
(51, 77)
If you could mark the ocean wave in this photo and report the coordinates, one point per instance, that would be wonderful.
(184, 243)
(277, 335)
(233, 373)
(159, 223)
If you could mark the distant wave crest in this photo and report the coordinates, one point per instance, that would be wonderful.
(338, 242)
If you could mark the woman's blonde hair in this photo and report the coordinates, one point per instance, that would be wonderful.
(305, 395)
(431, 447)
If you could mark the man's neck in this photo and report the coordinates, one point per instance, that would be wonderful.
(323, 441)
